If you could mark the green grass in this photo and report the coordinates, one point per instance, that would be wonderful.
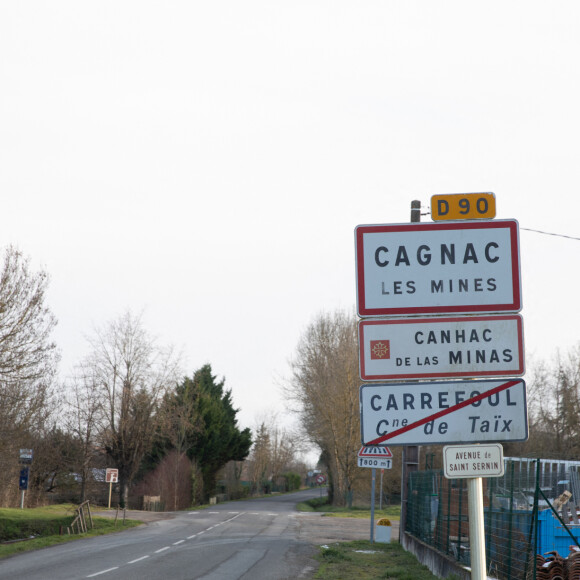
(44, 524)
(362, 560)
(319, 504)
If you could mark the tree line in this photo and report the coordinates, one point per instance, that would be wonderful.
(324, 387)
(127, 405)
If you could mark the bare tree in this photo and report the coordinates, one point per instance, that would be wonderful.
(131, 374)
(259, 459)
(554, 398)
(324, 388)
(275, 450)
(84, 407)
(28, 356)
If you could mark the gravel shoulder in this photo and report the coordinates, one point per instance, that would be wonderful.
(320, 529)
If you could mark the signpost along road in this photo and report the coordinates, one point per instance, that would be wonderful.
(443, 412)
(414, 348)
(437, 268)
(376, 457)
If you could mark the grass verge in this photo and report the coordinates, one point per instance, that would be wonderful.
(40, 527)
(362, 560)
(320, 504)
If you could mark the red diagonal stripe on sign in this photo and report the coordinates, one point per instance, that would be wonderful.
(442, 413)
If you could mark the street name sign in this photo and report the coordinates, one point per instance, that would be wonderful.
(463, 206)
(465, 461)
(376, 457)
(443, 412)
(441, 347)
(438, 268)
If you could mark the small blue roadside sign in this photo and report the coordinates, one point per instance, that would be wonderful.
(23, 484)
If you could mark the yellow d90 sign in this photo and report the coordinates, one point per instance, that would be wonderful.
(463, 206)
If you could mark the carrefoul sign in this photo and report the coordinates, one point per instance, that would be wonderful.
(435, 268)
(443, 412)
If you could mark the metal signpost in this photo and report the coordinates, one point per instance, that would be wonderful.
(25, 459)
(111, 476)
(447, 269)
(374, 457)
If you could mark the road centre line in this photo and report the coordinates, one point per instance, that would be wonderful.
(443, 412)
(103, 572)
(138, 559)
(167, 547)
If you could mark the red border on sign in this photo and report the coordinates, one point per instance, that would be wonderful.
(518, 371)
(514, 306)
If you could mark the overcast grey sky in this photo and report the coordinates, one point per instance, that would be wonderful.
(207, 162)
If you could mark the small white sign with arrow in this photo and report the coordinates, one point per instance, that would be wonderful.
(375, 457)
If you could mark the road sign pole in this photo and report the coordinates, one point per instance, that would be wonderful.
(110, 492)
(374, 478)
(381, 492)
(476, 528)
(410, 452)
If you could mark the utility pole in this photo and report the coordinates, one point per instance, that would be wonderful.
(410, 458)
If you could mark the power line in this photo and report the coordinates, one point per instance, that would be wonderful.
(550, 234)
(428, 212)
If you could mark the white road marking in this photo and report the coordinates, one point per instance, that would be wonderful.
(177, 543)
(103, 572)
(191, 537)
(138, 559)
(162, 549)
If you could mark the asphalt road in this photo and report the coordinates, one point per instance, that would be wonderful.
(257, 539)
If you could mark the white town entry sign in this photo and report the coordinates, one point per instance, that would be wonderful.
(436, 268)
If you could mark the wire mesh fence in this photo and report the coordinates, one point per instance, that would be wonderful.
(531, 518)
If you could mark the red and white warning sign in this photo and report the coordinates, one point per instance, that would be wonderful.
(375, 456)
(375, 451)
(112, 475)
(444, 412)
